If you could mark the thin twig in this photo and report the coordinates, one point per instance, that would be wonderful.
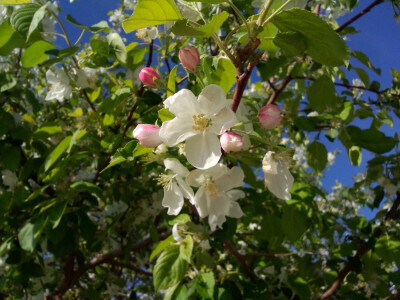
(359, 15)
(364, 248)
(241, 259)
(279, 89)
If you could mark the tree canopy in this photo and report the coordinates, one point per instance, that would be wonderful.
(177, 150)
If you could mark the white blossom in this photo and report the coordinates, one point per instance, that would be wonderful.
(59, 85)
(175, 187)
(9, 179)
(86, 78)
(277, 176)
(198, 122)
(215, 196)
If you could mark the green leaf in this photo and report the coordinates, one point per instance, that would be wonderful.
(117, 47)
(291, 43)
(180, 219)
(9, 39)
(101, 26)
(47, 131)
(317, 156)
(224, 75)
(186, 248)
(165, 115)
(361, 57)
(141, 150)
(7, 81)
(388, 248)
(22, 17)
(14, 2)
(56, 213)
(30, 234)
(36, 54)
(161, 246)
(324, 45)
(207, 30)
(294, 222)
(151, 12)
(86, 186)
(355, 155)
(78, 134)
(115, 160)
(370, 139)
(37, 17)
(208, 1)
(171, 81)
(363, 75)
(347, 114)
(300, 287)
(170, 268)
(322, 96)
(57, 152)
(205, 284)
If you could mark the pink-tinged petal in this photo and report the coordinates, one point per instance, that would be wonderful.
(231, 141)
(269, 116)
(173, 199)
(203, 151)
(148, 135)
(189, 58)
(212, 99)
(183, 103)
(223, 120)
(177, 130)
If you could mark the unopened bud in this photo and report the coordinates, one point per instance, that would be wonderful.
(189, 58)
(231, 141)
(147, 134)
(147, 76)
(269, 116)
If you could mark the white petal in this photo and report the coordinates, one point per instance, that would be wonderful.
(223, 120)
(212, 99)
(235, 211)
(279, 184)
(269, 164)
(236, 194)
(175, 166)
(182, 103)
(232, 178)
(219, 204)
(201, 202)
(185, 189)
(203, 151)
(177, 130)
(197, 177)
(175, 233)
(173, 199)
(216, 221)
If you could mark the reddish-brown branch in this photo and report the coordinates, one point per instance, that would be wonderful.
(241, 259)
(241, 81)
(279, 89)
(86, 96)
(360, 252)
(359, 15)
(72, 277)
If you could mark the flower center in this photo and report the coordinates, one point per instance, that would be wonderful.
(201, 123)
(165, 180)
(211, 189)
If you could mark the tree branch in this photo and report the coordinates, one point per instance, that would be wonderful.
(241, 259)
(279, 89)
(72, 277)
(364, 248)
(359, 15)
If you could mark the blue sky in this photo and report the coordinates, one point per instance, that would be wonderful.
(378, 38)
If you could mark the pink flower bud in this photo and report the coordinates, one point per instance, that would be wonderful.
(231, 141)
(189, 58)
(147, 76)
(147, 134)
(269, 116)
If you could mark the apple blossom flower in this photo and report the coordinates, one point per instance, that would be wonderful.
(215, 196)
(59, 85)
(9, 179)
(86, 78)
(231, 141)
(147, 34)
(269, 116)
(148, 135)
(175, 233)
(175, 187)
(198, 122)
(189, 57)
(147, 76)
(277, 177)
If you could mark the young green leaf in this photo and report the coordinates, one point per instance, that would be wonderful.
(317, 156)
(151, 12)
(182, 28)
(37, 17)
(36, 54)
(57, 152)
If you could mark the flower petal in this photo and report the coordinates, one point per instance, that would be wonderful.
(183, 103)
(212, 99)
(177, 130)
(175, 166)
(279, 184)
(185, 189)
(203, 151)
(233, 178)
(201, 202)
(216, 221)
(173, 199)
(223, 120)
(234, 210)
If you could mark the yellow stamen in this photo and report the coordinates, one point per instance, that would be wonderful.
(201, 123)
